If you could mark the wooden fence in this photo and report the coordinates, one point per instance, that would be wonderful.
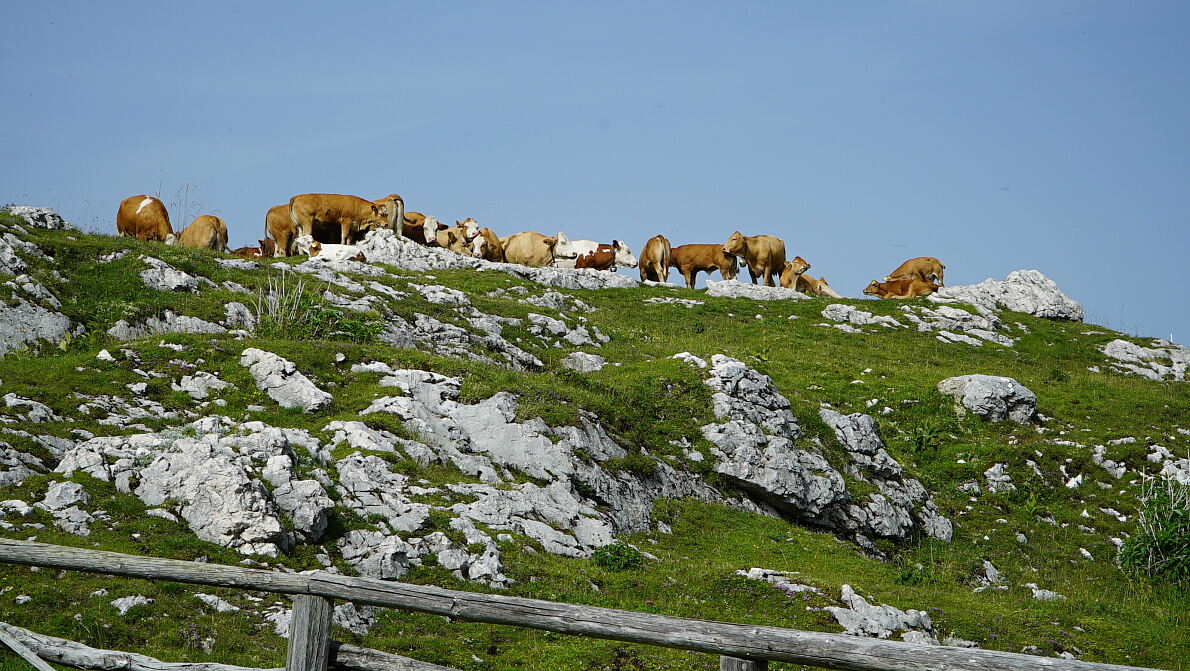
(740, 647)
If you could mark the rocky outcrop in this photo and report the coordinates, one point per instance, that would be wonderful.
(280, 379)
(992, 397)
(738, 289)
(161, 276)
(1021, 291)
(23, 323)
(1162, 360)
(41, 217)
(583, 362)
(168, 322)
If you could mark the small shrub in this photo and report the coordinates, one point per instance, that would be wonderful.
(1160, 547)
(291, 312)
(617, 557)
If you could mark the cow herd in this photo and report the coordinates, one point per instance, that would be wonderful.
(330, 226)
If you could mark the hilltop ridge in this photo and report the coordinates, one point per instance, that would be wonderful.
(434, 418)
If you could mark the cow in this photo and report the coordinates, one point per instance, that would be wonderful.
(815, 287)
(143, 218)
(333, 252)
(420, 228)
(529, 249)
(268, 248)
(908, 288)
(922, 267)
(392, 208)
(248, 252)
(654, 260)
(454, 238)
(205, 232)
(487, 246)
(764, 255)
(690, 259)
(792, 271)
(334, 218)
(279, 226)
(570, 250)
(469, 227)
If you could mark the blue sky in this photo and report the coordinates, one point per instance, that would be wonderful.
(995, 135)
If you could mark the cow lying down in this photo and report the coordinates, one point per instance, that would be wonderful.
(328, 252)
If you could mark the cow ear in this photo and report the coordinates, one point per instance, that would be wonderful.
(375, 210)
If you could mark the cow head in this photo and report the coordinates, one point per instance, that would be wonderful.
(734, 245)
(624, 257)
(873, 289)
(469, 226)
(824, 289)
(561, 246)
(305, 243)
(479, 247)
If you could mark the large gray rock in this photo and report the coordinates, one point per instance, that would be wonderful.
(1021, 291)
(583, 362)
(367, 486)
(281, 380)
(992, 397)
(41, 217)
(1163, 360)
(25, 323)
(163, 277)
(10, 262)
(860, 618)
(168, 322)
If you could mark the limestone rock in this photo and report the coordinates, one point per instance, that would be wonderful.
(25, 323)
(860, 618)
(163, 277)
(583, 362)
(200, 385)
(281, 380)
(1163, 360)
(1021, 291)
(168, 322)
(239, 316)
(41, 217)
(852, 315)
(124, 604)
(992, 397)
(737, 289)
(63, 494)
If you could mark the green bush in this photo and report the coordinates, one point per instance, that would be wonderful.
(617, 557)
(1160, 547)
(289, 311)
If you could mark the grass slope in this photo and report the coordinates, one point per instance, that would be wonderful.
(645, 403)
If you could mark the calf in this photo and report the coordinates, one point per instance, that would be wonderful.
(487, 246)
(911, 288)
(248, 252)
(690, 259)
(815, 287)
(792, 271)
(332, 252)
(922, 267)
(143, 218)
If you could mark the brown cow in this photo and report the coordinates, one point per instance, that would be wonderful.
(414, 228)
(206, 232)
(792, 271)
(268, 248)
(654, 260)
(690, 259)
(603, 258)
(143, 218)
(453, 238)
(487, 246)
(529, 249)
(910, 288)
(764, 255)
(815, 287)
(392, 208)
(923, 267)
(334, 218)
(279, 226)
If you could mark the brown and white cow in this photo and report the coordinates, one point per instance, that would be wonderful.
(690, 259)
(144, 218)
(909, 288)
(529, 249)
(487, 246)
(454, 238)
(206, 232)
(250, 252)
(792, 271)
(764, 255)
(922, 267)
(334, 218)
(654, 260)
(420, 228)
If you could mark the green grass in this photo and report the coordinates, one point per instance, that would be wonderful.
(646, 404)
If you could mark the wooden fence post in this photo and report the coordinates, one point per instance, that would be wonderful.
(736, 664)
(309, 633)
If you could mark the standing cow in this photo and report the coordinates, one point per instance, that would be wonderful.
(654, 260)
(690, 259)
(764, 254)
(334, 218)
(206, 232)
(144, 218)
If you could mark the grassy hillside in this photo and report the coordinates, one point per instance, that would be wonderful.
(647, 402)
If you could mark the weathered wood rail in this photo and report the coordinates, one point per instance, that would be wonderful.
(740, 647)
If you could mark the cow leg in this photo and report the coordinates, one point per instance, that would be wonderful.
(689, 275)
(752, 274)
